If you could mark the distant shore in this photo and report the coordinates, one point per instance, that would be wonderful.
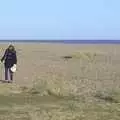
(64, 41)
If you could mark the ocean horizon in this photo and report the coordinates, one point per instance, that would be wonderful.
(66, 41)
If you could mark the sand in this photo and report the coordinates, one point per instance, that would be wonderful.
(45, 62)
(91, 71)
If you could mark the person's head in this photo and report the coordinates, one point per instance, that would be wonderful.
(11, 48)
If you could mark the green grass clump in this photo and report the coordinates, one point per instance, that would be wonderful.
(90, 56)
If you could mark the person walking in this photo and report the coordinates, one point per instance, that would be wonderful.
(10, 61)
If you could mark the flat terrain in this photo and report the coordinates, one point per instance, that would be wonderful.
(62, 82)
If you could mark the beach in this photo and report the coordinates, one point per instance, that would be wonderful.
(74, 81)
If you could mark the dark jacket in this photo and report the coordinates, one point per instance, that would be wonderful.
(10, 58)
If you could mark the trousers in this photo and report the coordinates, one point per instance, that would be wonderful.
(8, 74)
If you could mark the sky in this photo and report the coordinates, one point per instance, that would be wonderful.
(60, 19)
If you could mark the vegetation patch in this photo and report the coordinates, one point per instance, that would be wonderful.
(109, 96)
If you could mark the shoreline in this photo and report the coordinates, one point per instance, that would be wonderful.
(63, 41)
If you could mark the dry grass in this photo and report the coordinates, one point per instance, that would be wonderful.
(63, 82)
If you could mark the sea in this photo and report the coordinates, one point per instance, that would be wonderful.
(64, 41)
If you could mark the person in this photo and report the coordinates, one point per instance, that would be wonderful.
(10, 59)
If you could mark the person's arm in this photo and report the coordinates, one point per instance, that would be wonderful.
(4, 56)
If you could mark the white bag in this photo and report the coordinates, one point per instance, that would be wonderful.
(13, 68)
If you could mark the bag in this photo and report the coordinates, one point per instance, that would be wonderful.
(13, 68)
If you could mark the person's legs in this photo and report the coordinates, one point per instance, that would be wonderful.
(11, 74)
(6, 73)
